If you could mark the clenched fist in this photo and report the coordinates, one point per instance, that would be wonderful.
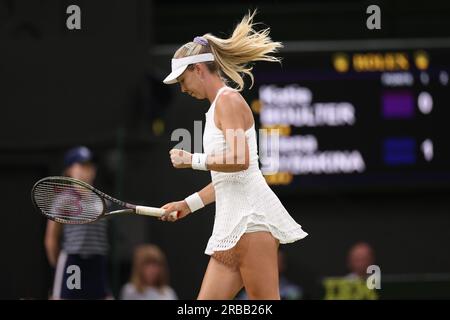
(180, 158)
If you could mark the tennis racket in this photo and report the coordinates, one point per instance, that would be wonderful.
(71, 201)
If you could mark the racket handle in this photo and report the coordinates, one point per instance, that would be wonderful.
(153, 212)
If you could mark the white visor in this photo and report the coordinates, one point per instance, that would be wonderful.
(179, 65)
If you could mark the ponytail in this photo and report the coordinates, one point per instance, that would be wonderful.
(233, 55)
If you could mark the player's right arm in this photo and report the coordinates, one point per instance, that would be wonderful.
(207, 194)
(52, 240)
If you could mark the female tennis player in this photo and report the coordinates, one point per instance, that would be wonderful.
(250, 221)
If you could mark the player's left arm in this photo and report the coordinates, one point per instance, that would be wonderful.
(230, 117)
(230, 114)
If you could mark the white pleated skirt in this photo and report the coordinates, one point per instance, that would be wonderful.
(245, 203)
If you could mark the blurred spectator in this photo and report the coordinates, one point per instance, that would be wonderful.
(150, 276)
(360, 256)
(288, 289)
(353, 286)
(83, 245)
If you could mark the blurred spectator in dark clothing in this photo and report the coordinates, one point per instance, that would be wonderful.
(82, 245)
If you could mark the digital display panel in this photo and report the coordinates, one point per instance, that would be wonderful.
(363, 118)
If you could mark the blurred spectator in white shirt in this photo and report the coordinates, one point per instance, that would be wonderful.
(150, 276)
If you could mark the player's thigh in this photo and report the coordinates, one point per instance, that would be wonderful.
(220, 282)
(258, 253)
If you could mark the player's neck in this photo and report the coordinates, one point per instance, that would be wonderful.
(213, 89)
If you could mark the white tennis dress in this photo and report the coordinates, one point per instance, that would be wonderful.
(244, 201)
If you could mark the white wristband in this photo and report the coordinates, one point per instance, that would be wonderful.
(199, 161)
(194, 202)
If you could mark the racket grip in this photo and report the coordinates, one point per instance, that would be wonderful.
(153, 212)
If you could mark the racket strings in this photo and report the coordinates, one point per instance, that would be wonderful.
(68, 202)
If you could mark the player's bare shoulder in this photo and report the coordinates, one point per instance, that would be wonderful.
(231, 104)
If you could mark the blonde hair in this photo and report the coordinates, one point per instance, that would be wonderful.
(233, 55)
(143, 255)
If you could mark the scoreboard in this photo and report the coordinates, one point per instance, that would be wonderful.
(354, 119)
